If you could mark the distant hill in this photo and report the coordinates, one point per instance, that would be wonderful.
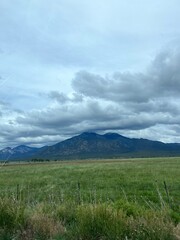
(93, 145)
(20, 152)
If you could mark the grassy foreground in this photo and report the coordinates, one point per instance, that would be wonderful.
(103, 200)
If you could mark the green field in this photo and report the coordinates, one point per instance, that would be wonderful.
(82, 199)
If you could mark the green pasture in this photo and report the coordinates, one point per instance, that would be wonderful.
(139, 180)
(125, 199)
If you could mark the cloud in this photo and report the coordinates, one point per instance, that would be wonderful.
(119, 87)
(160, 81)
(134, 104)
(63, 98)
(166, 73)
(44, 43)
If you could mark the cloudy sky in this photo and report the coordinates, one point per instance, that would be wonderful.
(70, 66)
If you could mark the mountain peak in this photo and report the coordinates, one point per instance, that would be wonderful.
(19, 152)
(6, 150)
(88, 133)
(22, 146)
(112, 135)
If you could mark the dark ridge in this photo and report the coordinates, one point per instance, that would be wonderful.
(93, 145)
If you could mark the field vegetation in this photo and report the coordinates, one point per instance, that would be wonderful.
(93, 199)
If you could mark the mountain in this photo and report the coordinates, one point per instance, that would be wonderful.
(93, 145)
(19, 152)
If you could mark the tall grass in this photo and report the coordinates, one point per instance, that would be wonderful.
(89, 202)
(71, 220)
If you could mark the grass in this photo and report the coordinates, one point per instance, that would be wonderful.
(104, 199)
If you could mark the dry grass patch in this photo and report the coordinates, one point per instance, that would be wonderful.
(41, 226)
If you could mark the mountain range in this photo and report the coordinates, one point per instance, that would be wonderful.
(93, 145)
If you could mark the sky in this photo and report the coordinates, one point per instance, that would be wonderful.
(102, 66)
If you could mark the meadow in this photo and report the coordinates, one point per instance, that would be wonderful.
(91, 199)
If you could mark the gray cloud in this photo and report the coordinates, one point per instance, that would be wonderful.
(119, 87)
(160, 81)
(44, 43)
(63, 98)
(125, 102)
(165, 72)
